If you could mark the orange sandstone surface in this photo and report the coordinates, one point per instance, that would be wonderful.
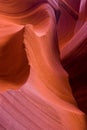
(43, 65)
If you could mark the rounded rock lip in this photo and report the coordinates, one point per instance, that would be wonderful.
(19, 7)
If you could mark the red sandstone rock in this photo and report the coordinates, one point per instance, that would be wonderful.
(30, 62)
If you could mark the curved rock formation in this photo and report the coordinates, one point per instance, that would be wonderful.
(74, 58)
(30, 63)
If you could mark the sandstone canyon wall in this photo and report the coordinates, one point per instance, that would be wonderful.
(43, 65)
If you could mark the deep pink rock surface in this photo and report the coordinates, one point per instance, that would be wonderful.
(43, 66)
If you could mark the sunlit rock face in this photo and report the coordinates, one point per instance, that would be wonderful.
(43, 48)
